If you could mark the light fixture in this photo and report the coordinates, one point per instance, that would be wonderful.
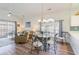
(50, 20)
(49, 9)
(42, 16)
(39, 20)
(9, 14)
(44, 20)
(77, 13)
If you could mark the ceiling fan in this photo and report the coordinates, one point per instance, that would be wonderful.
(11, 12)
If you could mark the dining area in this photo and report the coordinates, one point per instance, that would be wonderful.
(38, 41)
(41, 43)
(46, 41)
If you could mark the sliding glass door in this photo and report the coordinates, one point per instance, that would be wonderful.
(7, 29)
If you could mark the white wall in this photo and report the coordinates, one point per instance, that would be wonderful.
(65, 15)
(75, 35)
(75, 41)
(74, 20)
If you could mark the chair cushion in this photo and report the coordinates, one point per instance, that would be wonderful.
(60, 37)
(37, 44)
(50, 41)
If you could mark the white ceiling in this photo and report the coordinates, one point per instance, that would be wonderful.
(33, 9)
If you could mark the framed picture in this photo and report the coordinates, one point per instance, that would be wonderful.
(28, 24)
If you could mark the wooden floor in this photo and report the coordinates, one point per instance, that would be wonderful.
(25, 49)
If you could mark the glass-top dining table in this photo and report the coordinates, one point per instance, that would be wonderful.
(44, 40)
(43, 37)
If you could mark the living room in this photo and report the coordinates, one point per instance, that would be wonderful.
(39, 28)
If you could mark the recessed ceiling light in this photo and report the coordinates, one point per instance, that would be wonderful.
(49, 9)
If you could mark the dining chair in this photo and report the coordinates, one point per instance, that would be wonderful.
(36, 44)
